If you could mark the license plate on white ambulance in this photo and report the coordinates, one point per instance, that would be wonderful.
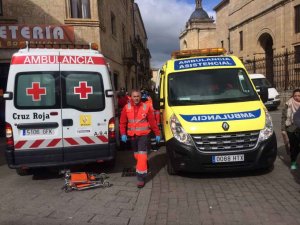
(37, 132)
(228, 158)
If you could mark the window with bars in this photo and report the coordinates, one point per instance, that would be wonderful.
(297, 19)
(241, 41)
(297, 54)
(113, 24)
(80, 9)
(1, 10)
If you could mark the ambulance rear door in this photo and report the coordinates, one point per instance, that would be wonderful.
(34, 113)
(86, 111)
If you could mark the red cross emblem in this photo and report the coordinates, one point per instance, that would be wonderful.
(83, 90)
(36, 91)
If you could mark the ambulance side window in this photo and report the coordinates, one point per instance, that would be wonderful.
(35, 90)
(84, 91)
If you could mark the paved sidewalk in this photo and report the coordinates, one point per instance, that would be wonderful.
(40, 200)
(249, 198)
(240, 198)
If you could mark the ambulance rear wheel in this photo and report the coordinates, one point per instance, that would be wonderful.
(170, 167)
(23, 172)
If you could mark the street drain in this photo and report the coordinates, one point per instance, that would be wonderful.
(128, 172)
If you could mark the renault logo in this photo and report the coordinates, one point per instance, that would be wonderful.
(225, 126)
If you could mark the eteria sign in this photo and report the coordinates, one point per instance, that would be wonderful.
(10, 35)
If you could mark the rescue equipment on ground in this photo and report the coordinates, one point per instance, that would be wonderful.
(82, 181)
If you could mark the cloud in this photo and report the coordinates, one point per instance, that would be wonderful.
(164, 20)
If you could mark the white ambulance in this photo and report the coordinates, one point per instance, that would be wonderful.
(59, 109)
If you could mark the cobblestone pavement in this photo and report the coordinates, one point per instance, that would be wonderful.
(233, 198)
(241, 198)
(39, 199)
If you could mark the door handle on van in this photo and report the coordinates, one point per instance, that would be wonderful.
(109, 93)
(67, 122)
(8, 96)
(37, 125)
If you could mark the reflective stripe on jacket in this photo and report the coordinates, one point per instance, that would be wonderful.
(137, 124)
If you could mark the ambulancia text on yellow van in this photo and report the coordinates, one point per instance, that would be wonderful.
(212, 116)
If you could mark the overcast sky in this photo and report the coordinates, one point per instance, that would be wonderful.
(164, 20)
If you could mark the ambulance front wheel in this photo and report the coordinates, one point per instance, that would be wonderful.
(23, 172)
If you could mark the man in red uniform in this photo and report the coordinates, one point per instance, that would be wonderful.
(138, 118)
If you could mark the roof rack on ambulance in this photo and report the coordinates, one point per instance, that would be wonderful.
(27, 45)
(198, 52)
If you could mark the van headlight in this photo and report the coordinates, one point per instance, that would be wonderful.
(178, 131)
(268, 130)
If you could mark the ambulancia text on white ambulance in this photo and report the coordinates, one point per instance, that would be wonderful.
(59, 109)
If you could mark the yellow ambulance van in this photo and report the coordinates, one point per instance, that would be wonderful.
(212, 116)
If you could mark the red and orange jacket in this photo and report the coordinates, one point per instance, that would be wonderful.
(138, 119)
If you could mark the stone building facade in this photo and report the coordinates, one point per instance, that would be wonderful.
(115, 25)
(259, 29)
(143, 70)
(265, 35)
(200, 30)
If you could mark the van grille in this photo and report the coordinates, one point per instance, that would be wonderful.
(226, 142)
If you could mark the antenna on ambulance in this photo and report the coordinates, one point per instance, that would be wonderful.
(27, 45)
(24, 45)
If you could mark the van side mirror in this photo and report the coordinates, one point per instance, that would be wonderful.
(8, 96)
(263, 93)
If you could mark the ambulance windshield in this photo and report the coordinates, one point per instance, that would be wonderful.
(210, 86)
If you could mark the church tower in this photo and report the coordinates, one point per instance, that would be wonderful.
(200, 30)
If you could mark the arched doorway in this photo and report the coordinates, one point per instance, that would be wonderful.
(266, 42)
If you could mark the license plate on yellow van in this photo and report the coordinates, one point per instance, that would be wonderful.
(37, 132)
(228, 158)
